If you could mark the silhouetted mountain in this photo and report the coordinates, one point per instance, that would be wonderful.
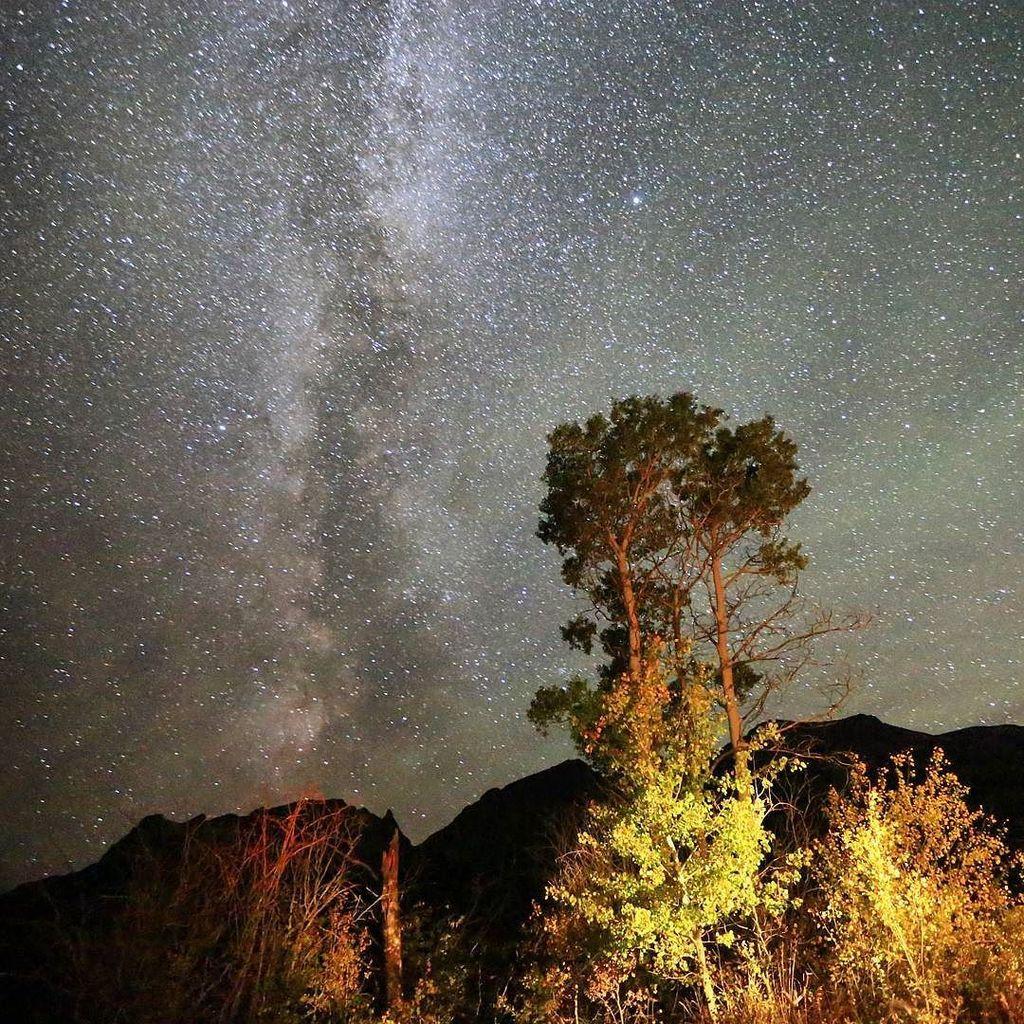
(159, 842)
(494, 858)
(989, 759)
(490, 863)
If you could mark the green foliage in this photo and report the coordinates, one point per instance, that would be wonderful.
(675, 865)
(611, 474)
(576, 706)
(659, 475)
(612, 485)
(739, 489)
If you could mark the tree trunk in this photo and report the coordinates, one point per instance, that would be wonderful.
(629, 603)
(392, 928)
(732, 704)
(707, 983)
(677, 623)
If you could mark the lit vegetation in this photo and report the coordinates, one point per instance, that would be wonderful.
(915, 908)
(265, 926)
(668, 873)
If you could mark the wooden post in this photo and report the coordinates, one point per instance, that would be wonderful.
(392, 927)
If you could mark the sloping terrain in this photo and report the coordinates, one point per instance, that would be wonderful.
(486, 867)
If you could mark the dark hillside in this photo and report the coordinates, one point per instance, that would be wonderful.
(486, 867)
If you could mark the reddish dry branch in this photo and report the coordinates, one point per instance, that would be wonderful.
(392, 926)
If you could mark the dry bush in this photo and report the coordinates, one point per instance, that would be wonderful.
(294, 938)
(265, 926)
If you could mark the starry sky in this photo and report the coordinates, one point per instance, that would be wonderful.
(292, 290)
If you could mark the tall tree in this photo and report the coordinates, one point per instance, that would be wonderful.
(670, 865)
(610, 511)
(664, 501)
(735, 497)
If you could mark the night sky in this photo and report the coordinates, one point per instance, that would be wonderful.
(291, 292)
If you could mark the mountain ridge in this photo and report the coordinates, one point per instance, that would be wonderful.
(870, 738)
(489, 865)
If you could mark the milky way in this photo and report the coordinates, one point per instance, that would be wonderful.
(291, 293)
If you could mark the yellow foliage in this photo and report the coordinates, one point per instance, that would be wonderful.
(921, 924)
(667, 874)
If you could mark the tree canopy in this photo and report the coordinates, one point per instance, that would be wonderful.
(671, 523)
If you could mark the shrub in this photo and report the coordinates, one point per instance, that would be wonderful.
(915, 907)
(263, 925)
(667, 875)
